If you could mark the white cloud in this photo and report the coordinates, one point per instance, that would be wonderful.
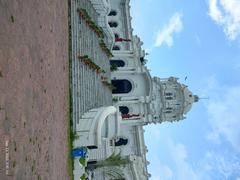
(224, 117)
(223, 112)
(177, 165)
(162, 172)
(183, 169)
(224, 165)
(165, 35)
(226, 13)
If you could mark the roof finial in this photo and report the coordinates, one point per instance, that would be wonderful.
(204, 98)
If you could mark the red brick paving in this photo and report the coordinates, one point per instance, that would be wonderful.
(34, 88)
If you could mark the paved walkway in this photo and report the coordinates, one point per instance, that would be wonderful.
(87, 89)
(34, 89)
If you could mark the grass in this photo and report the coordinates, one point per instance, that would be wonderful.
(12, 19)
(70, 163)
(15, 146)
(70, 147)
(14, 164)
(39, 177)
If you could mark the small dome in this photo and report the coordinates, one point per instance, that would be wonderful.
(189, 99)
(172, 100)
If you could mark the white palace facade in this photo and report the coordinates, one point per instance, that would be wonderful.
(138, 100)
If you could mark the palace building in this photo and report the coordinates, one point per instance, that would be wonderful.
(138, 99)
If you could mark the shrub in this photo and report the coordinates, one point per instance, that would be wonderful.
(98, 30)
(82, 161)
(105, 48)
(115, 99)
(113, 67)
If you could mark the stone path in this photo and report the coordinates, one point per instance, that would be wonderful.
(87, 89)
(34, 89)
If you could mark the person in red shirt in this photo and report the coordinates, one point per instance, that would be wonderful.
(121, 40)
(126, 116)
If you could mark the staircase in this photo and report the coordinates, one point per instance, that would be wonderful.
(97, 154)
(87, 89)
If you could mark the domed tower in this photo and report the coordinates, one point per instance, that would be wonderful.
(171, 100)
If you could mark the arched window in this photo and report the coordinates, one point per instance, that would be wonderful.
(143, 61)
(112, 13)
(116, 35)
(118, 63)
(116, 48)
(121, 86)
(123, 109)
(113, 24)
(121, 141)
(92, 147)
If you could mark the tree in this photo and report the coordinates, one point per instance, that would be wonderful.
(113, 160)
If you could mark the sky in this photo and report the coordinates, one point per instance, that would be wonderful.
(200, 40)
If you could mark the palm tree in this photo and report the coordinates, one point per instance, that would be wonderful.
(113, 160)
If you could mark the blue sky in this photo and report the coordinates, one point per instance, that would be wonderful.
(199, 39)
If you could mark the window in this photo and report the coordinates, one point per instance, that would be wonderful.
(112, 13)
(143, 61)
(118, 63)
(92, 147)
(121, 86)
(116, 35)
(168, 111)
(121, 141)
(169, 98)
(123, 109)
(113, 24)
(168, 94)
(116, 48)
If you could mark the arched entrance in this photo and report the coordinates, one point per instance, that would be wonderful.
(112, 13)
(118, 63)
(121, 142)
(113, 24)
(121, 86)
(116, 48)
